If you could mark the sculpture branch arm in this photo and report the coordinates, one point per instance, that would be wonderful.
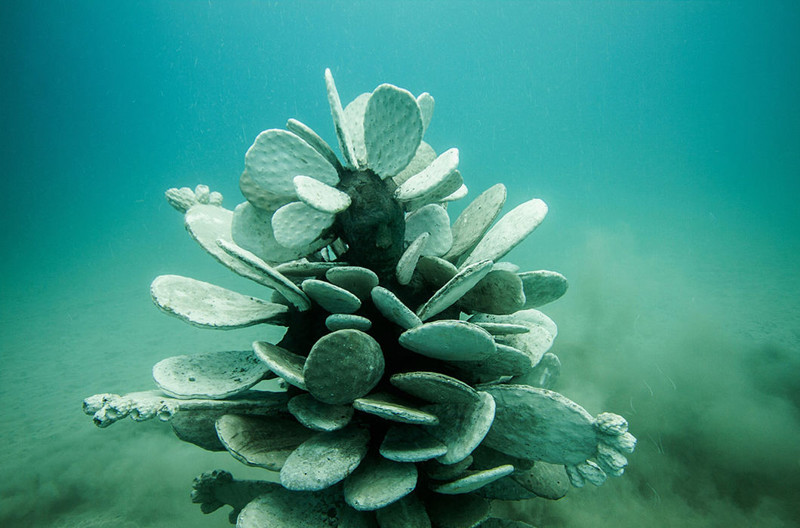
(140, 406)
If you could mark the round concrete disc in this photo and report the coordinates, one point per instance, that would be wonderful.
(342, 366)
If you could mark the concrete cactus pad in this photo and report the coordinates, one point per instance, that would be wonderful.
(538, 424)
(342, 366)
(390, 407)
(297, 225)
(435, 387)
(342, 451)
(475, 219)
(506, 361)
(258, 196)
(458, 194)
(354, 123)
(509, 231)
(503, 329)
(473, 480)
(454, 289)
(197, 427)
(432, 219)
(422, 158)
(436, 271)
(392, 129)
(355, 279)
(261, 441)
(462, 427)
(499, 292)
(408, 260)
(542, 287)
(279, 508)
(320, 196)
(543, 375)
(208, 223)
(212, 375)
(277, 156)
(319, 416)
(304, 268)
(410, 443)
(393, 308)
(210, 306)
(457, 511)
(270, 277)
(331, 297)
(312, 138)
(426, 104)
(548, 481)
(495, 522)
(438, 471)
(336, 322)
(252, 230)
(408, 512)
(378, 482)
(337, 113)
(536, 342)
(449, 340)
(435, 181)
(285, 364)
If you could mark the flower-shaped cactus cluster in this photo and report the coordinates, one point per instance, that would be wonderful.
(415, 370)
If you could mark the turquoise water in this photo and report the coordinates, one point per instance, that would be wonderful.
(664, 136)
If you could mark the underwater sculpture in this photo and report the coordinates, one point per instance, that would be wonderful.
(416, 369)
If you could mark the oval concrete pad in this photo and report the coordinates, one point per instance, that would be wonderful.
(538, 424)
(203, 304)
(212, 375)
(378, 482)
(450, 340)
(342, 451)
(261, 441)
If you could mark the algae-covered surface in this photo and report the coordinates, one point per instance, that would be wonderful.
(664, 138)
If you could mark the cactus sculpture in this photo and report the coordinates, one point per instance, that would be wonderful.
(414, 372)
